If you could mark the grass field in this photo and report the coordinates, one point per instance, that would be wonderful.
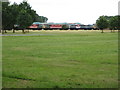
(61, 59)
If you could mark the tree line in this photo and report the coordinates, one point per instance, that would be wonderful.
(19, 15)
(110, 22)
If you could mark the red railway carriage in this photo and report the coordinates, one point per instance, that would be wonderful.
(55, 26)
(33, 26)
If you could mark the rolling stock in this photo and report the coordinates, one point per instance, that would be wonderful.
(60, 26)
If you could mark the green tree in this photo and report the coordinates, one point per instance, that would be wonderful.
(118, 22)
(24, 20)
(21, 15)
(102, 23)
(6, 16)
(114, 23)
(15, 12)
(26, 6)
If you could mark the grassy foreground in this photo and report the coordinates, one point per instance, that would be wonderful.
(63, 59)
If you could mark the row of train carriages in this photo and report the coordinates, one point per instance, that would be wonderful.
(60, 26)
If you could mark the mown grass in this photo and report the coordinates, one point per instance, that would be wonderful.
(70, 59)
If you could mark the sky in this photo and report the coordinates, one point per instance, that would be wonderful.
(72, 11)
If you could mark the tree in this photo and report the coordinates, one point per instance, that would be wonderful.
(21, 15)
(6, 16)
(102, 23)
(114, 23)
(9, 15)
(15, 12)
(26, 15)
(118, 22)
(24, 20)
(26, 7)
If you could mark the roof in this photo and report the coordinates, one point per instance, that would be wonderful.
(36, 23)
(57, 23)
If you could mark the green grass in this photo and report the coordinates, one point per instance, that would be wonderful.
(72, 59)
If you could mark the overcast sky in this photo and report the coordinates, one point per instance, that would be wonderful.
(82, 11)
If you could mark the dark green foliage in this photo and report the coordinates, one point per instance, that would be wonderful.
(115, 22)
(108, 17)
(15, 12)
(111, 22)
(24, 20)
(6, 15)
(102, 23)
(22, 15)
(118, 22)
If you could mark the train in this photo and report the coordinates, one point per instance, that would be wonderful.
(60, 26)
